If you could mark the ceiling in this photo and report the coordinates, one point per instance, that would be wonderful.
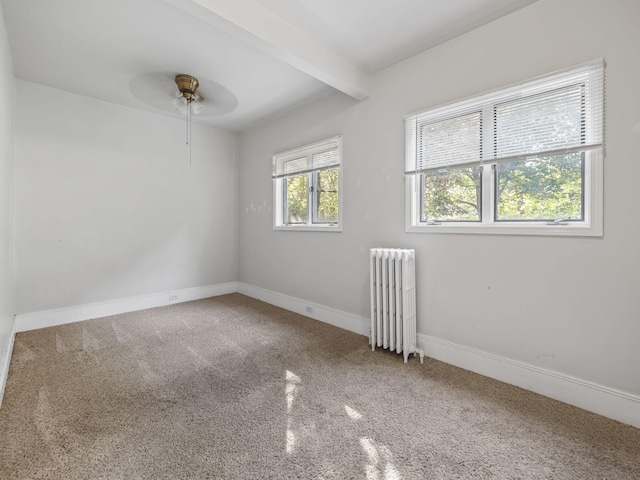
(254, 58)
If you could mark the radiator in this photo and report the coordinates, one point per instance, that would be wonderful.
(393, 301)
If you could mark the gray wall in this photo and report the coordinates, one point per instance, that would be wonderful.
(108, 205)
(564, 304)
(7, 308)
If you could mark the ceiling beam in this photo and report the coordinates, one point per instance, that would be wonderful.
(260, 27)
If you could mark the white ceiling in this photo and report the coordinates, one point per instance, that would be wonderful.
(254, 58)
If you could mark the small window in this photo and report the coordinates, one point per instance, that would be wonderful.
(522, 160)
(306, 187)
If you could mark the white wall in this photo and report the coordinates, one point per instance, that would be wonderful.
(569, 305)
(108, 205)
(7, 305)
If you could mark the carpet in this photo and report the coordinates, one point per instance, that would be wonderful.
(234, 388)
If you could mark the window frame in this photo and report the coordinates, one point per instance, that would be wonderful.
(593, 173)
(280, 213)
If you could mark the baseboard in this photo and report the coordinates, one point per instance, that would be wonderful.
(60, 316)
(605, 401)
(5, 361)
(337, 318)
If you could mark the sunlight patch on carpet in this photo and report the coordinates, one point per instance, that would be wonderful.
(380, 465)
(291, 390)
(353, 414)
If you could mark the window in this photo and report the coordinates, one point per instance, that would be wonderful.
(522, 160)
(306, 187)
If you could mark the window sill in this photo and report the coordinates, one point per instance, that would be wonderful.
(309, 228)
(571, 230)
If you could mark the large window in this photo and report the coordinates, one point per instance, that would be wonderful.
(307, 184)
(522, 160)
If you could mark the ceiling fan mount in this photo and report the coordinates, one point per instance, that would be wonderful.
(187, 85)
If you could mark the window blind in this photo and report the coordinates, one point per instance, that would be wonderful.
(452, 141)
(555, 114)
(317, 156)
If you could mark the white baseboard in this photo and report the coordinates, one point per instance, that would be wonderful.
(337, 318)
(60, 316)
(5, 360)
(605, 401)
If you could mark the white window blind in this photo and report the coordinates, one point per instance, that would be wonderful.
(554, 114)
(318, 156)
(451, 141)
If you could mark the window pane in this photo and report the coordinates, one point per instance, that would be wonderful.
(546, 188)
(296, 188)
(327, 196)
(452, 195)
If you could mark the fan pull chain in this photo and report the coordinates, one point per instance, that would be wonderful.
(186, 142)
(189, 129)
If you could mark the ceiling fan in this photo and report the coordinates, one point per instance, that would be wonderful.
(187, 100)
(174, 93)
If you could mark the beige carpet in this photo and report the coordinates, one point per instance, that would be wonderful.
(233, 388)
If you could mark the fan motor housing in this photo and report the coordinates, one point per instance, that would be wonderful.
(188, 85)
